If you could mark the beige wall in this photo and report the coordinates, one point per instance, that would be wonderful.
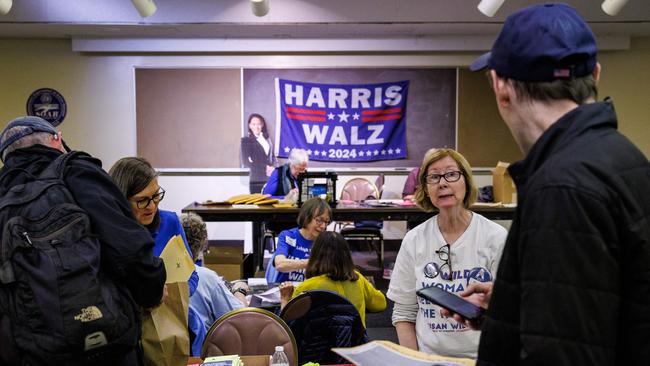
(99, 90)
(626, 78)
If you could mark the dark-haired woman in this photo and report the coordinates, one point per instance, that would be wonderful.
(294, 245)
(138, 181)
(330, 267)
(257, 152)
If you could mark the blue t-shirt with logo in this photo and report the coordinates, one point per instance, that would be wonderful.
(293, 245)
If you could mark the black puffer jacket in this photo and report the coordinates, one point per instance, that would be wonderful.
(573, 286)
(126, 246)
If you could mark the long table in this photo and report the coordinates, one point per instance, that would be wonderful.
(342, 212)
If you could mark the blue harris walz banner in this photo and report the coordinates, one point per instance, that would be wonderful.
(364, 122)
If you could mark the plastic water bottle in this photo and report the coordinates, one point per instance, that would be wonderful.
(279, 358)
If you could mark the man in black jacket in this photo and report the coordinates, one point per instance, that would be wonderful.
(27, 146)
(573, 286)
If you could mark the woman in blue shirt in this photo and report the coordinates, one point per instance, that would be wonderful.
(138, 181)
(294, 245)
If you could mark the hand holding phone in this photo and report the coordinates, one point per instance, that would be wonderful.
(453, 303)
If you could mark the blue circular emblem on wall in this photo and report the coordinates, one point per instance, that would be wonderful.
(48, 104)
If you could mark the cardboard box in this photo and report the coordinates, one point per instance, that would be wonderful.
(504, 190)
(229, 262)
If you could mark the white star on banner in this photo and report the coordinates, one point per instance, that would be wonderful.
(330, 115)
(376, 152)
(316, 152)
(390, 151)
(368, 153)
(287, 149)
(309, 151)
(343, 117)
(324, 153)
(383, 152)
(361, 153)
(355, 116)
(398, 150)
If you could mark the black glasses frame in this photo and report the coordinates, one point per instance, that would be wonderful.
(146, 201)
(450, 177)
(319, 221)
(432, 269)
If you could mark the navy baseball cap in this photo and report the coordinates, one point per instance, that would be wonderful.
(542, 43)
(35, 124)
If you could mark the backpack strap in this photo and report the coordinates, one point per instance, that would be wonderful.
(56, 169)
(13, 172)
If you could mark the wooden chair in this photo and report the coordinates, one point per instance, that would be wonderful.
(249, 332)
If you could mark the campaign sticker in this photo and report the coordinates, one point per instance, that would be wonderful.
(48, 104)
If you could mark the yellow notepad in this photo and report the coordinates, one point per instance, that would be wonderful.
(239, 197)
(178, 262)
(257, 198)
(267, 201)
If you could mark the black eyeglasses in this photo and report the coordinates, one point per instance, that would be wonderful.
(143, 203)
(320, 221)
(432, 269)
(449, 177)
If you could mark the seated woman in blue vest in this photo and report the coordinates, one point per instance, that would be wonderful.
(138, 181)
(284, 178)
(294, 245)
(330, 268)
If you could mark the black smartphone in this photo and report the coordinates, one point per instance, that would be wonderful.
(452, 302)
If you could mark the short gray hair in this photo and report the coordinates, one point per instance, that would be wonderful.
(298, 156)
(32, 139)
(196, 233)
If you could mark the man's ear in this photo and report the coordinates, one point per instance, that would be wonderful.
(57, 142)
(501, 89)
(596, 72)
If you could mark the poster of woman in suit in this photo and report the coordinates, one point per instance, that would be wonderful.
(257, 152)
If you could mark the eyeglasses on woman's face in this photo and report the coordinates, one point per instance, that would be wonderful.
(432, 269)
(144, 202)
(320, 221)
(450, 177)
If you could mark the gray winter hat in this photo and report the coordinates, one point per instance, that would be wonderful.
(35, 124)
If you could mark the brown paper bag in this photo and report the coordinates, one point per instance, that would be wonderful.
(504, 189)
(165, 336)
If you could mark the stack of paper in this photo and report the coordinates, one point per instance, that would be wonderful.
(258, 285)
(385, 353)
(255, 198)
(231, 360)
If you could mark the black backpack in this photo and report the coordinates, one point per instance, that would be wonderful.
(62, 307)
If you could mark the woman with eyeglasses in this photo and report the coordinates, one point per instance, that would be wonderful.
(294, 245)
(452, 249)
(138, 181)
